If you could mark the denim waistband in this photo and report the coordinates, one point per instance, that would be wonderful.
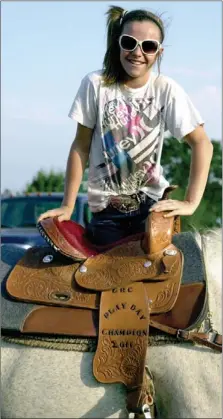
(116, 209)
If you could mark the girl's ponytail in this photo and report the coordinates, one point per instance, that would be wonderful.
(114, 23)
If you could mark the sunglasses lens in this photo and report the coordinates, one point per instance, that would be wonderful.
(149, 47)
(128, 43)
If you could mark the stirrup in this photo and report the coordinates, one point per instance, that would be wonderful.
(145, 413)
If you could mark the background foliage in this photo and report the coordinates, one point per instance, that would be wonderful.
(176, 163)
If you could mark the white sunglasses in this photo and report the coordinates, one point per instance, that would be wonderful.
(148, 46)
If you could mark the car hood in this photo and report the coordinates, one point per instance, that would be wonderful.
(21, 232)
(19, 236)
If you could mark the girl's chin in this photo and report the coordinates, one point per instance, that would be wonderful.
(134, 72)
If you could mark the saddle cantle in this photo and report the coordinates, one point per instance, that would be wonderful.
(120, 293)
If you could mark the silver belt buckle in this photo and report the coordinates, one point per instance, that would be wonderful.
(125, 203)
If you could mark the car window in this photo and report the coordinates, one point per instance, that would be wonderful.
(43, 206)
(24, 212)
(48, 205)
(12, 213)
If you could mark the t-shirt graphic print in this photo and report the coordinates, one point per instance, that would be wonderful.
(128, 131)
(130, 142)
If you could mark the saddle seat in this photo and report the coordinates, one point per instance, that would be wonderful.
(69, 238)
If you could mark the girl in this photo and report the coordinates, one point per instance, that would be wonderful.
(122, 113)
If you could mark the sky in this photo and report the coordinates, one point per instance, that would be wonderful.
(48, 47)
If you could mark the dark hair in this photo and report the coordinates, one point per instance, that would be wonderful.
(113, 71)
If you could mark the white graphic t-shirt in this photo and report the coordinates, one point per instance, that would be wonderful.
(128, 131)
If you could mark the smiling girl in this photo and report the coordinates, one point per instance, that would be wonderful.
(122, 113)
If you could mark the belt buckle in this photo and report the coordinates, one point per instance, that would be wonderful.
(182, 334)
(125, 203)
(212, 336)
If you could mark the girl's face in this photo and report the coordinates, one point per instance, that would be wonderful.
(135, 63)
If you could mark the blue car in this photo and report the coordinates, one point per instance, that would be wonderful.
(19, 215)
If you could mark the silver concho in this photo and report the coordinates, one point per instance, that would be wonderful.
(83, 269)
(147, 264)
(47, 258)
(170, 252)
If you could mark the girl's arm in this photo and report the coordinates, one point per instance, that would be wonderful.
(76, 163)
(201, 155)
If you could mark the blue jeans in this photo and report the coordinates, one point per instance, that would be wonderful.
(111, 225)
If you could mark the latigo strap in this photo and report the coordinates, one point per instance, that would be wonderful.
(212, 340)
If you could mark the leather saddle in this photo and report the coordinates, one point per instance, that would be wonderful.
(121, 294)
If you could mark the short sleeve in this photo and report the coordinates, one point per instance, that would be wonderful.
(84, 106)
(181, 116)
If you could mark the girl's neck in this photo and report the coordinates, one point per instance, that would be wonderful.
(135, 83)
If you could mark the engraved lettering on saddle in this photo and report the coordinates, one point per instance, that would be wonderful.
(121, 306)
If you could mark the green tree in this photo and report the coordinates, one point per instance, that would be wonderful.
(52, 182)
(6, 192)
(176, 163)
(46, 182)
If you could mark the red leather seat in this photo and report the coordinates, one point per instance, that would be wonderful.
(75, 236)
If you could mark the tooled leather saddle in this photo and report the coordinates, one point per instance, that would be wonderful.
(120, 293)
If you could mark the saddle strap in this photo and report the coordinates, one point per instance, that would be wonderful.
(142, 398)
(212, 340)
(123, 339)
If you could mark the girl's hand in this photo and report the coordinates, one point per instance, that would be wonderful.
(174, 207)
(63, 213)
